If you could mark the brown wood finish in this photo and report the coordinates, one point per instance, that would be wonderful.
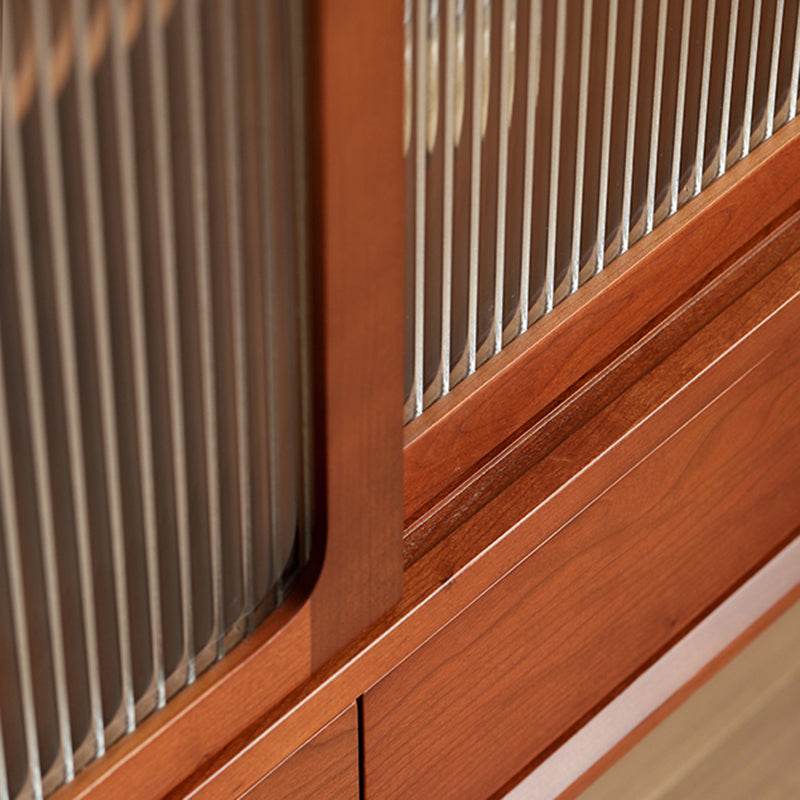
(605, 593)
(598, 450)
(665, 685)
(325, 768)
(466, 427)
(357, 166)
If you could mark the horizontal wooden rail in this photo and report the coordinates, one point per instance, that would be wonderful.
(465, 428)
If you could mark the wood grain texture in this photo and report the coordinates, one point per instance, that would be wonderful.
(608, 382)
(175, 741)
(357, 221)
(325, 768)
(520, 520)
(603, 595)
(461, 431)
(663, 687)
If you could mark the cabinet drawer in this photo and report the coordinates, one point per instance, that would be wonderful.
(325, 767)
(551, 642)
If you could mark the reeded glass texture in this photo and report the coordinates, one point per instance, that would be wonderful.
(154, 495)
(543, 139)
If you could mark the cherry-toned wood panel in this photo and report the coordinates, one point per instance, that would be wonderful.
(522, 518)
(356, 54)
(664, 686)
(459, 432)
(603, 596)
(325, 768)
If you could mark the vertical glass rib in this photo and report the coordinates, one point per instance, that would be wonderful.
(170, 290)
(108, 421)
(5, 486)
(580, 157)
(11, 527)
(751, 79)
(555, 152)
(794, 87)
(655, 119)
(705, 85)
(270, 299)
(605, 148)
(727, 91)
(197, 150)
(475, 187)
(3, 776)
(435, 153)
(2, 82)
(419, 239)
(773, 70)
(449, 158)
(534, 60)
(23, 269)
(135, 292)
(303, 311)
(683, 68)
(237, 298)
(509, 12)
(69, 360)
(627, 190)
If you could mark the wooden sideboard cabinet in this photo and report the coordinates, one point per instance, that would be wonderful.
(596, 520)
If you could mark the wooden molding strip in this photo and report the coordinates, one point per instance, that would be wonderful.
(599, 393)
(721, 634)
(458, 433)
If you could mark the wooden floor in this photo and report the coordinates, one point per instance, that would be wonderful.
(736, 737)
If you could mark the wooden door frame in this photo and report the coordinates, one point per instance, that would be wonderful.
(353, 67)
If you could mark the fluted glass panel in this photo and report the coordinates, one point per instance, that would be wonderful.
(544, 139)
(154, 424)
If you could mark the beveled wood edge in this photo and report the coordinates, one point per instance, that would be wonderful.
(333, 726)
(454, 574)
(460, 431)
(713, 642)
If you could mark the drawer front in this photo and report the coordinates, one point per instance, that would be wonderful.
(540, 651)
(324, 768)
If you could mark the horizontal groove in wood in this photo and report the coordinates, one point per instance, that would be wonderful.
(444, 445)
(593, 394)
(589, 457)
(454, 573)
(603, 594)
